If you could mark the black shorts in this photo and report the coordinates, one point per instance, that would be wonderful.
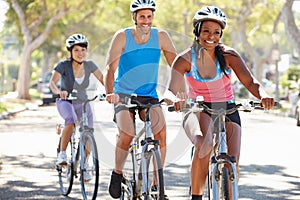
(141, 99)
(234, 117)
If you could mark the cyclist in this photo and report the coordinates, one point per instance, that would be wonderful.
(74, 75)
(135, 52)
(207, 66)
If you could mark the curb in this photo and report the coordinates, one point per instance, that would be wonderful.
(28, 106)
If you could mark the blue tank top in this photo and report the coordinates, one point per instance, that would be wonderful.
(138, 66)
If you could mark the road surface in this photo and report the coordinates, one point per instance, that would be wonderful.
(269, 157)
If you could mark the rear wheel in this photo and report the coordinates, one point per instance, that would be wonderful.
(66, 172)
(89, 166)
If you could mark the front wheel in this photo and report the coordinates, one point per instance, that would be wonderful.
(66, 172)
(89, 166)
(225, 184)
(154, 174)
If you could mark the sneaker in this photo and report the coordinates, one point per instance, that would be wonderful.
(115, 185)
(61, 158)
(155, 196)
(87, 176)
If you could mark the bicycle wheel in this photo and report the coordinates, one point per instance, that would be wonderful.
(154, 175)
(66, 172)
(225, 184)
(89, 166)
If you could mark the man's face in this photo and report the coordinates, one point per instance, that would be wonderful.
(144, 19)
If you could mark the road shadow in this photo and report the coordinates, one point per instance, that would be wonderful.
(40, 169)
(256, 191)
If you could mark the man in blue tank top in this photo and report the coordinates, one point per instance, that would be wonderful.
(135, 54)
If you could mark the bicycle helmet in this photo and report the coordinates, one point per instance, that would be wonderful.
(142, 4)
(210, 13)
(76, 39)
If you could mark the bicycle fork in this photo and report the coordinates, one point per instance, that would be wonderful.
(218, 163)
(146, 157)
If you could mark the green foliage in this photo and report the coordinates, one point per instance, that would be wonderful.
(100, 19)
(293, 73)
(13, 70)
(2, 107)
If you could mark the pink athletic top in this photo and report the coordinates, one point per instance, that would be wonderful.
(216, 89)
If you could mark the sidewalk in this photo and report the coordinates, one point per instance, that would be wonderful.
(24, 105)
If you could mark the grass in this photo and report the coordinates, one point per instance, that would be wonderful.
(4, 107)
(14, 104)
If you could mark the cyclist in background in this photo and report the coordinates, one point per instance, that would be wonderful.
(74, 75)
(135, 52)
(207, 67)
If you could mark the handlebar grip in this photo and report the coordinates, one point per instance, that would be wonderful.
(55, 96)
(171, 108)
(277, 104)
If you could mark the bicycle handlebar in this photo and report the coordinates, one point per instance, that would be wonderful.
(132, 102)
(72, 96)
(200, 106)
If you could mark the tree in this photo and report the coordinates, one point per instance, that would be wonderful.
(37, 19)
(291, 28)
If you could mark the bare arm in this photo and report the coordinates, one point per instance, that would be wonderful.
(238, 65)
(113, 58)
(53, 82)
(98, 74)
(53, 85)
(167, 46)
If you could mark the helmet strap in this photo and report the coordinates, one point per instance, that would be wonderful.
(80, 63)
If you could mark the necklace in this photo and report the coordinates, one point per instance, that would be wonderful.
(143, 33)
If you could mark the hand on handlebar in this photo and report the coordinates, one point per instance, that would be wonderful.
(180, 102)
(112, 98)
(267, 102)
(63, 95)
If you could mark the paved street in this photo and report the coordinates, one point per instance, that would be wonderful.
(28, 142)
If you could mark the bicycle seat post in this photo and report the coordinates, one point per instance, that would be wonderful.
(222, 136)
(148, 130)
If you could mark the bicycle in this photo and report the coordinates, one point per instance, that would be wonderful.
(222, 171)
(146, 164)
(82, 157)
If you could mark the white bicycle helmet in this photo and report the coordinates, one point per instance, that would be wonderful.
(76, 39)
(210, 13)
(142, 4)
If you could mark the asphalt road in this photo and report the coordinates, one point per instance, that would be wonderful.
(269, 159)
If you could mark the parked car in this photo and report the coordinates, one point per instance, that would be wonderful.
(44, 89)
(297, 112)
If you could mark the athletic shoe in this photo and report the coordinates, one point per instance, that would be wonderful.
(115, 185)
(87, 173)
(62, 158)
(154, 190)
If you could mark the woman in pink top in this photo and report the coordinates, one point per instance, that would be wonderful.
(207, 68)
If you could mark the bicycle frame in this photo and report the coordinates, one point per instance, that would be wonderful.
(83, 148)
(221, 159)
(141, 153)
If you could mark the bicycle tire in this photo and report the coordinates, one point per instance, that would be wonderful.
(225, 184)
(66, 172)
(130, 188)
(89, 167)
(152, 172)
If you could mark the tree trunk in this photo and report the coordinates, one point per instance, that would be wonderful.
(24, 74)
